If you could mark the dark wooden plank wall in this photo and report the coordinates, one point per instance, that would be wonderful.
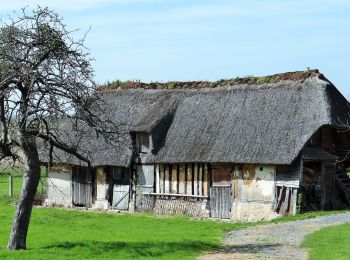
(328, 185)
(82, 186)
(221, 176)
(289, 175)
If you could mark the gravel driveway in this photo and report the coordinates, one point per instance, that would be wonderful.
(273, 241)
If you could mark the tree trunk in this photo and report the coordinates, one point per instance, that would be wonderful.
(18, 235)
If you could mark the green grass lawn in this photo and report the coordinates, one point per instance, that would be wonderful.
(64, 234)
(329, 243)
(68, 234)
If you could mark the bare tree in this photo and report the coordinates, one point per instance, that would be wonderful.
(45, 78)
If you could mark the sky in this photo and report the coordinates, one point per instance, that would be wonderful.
(163, 40)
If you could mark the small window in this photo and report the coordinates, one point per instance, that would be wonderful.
(142, 142)
(261, 169)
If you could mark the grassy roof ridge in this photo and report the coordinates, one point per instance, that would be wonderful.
(250, 80)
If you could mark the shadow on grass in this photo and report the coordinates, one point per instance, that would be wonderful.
(154, 249)
(134, 249)
(250, 248)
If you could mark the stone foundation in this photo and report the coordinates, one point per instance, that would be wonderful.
(252, 211)
(174, 206)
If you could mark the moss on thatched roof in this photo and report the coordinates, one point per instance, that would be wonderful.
(254, 120)
(249, 80)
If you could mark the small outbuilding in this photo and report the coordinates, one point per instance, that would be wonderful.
(242, 149)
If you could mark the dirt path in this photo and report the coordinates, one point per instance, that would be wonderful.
(273, 241)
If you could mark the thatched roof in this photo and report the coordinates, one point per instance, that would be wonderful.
(261, 121)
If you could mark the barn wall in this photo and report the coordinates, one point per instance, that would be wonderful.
(252, 189)
(254, 192)
(186, 179)
(171, 189)
(59, 187)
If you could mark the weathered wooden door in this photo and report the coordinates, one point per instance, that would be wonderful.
(221, 193)
(121, 188)
(145, 178)
(121, 197)
(144, 184)
(82, 187)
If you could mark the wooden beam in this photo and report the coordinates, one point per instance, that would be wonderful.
(157, 178)
(205, 180)
(286, 200)
(189, 180)
(323, 188)
(166, 180)
(279, 200)
(173, 179)
(182, 179)
(235, 182)
(195, 179)
(295, 201)
(162, 178)
(200, 179)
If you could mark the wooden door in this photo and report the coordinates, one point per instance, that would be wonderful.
(144, 185)
(121, 188)
(221, 193)
(120, 197)
(145, 178)
(82, 187)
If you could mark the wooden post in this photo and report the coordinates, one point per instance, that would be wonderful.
(206, 180)
(162, 178)
(182, 179)
(295, 201)
(166, 180)
(173, 186)
(189, 180)
(10, 186)
(323, 190)
(286, 200)
(200, 179)
(195, 179)
(157, 178)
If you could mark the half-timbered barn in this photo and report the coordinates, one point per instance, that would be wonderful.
(241, 149)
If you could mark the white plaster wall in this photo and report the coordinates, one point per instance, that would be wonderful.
(258, 183)
(59, 189)
(256, 193)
